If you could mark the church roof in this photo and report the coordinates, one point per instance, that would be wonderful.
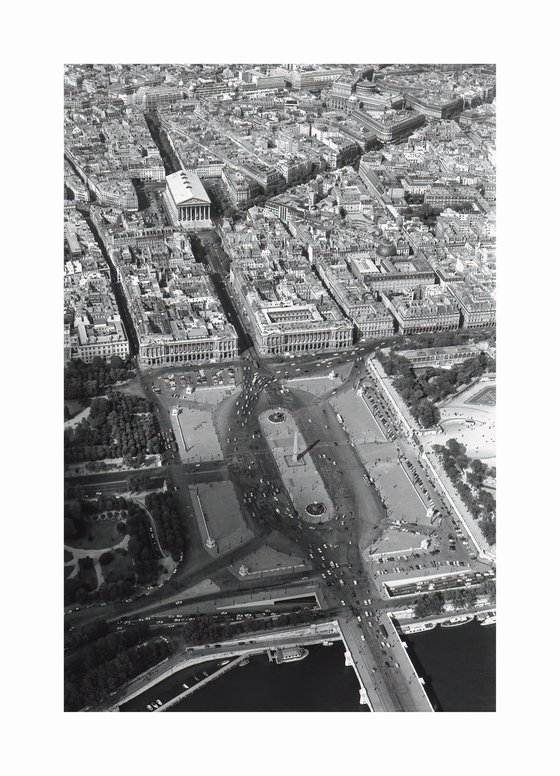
(186, 189)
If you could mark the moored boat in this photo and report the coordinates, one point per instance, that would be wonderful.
(454, 621)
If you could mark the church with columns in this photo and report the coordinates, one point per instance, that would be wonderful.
(187, 202)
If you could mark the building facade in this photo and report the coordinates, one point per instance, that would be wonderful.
(188, 204)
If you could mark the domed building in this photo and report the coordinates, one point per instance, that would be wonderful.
(365, 88)
(385, 248)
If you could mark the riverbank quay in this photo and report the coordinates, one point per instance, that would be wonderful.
(405, 624)
(312, 634)
(203, 683)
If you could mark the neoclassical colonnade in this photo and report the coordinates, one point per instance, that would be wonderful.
(194, 213)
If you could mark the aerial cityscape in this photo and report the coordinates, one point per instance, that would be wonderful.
(279, 387)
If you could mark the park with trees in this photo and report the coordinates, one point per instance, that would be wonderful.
(123, 569)
(207, 629)
(140, 546)
(423, 390)
(170, 527)
(99, 661)
(480, 502)
(84, 381)
(429, 604)
(433, 604)
(119, 426)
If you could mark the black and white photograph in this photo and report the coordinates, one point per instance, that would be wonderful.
(280, 281)
(279, 387)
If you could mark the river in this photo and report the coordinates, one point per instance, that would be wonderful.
(320, 682)
(458, 665)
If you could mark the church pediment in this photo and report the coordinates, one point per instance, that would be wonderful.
(192, 202)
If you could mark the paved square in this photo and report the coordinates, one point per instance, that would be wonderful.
(302, 481)
(195, 434)
(358, 420)
(221, 516)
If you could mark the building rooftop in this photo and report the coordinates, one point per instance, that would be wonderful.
(186, 189)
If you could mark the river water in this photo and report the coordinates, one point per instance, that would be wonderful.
(458, 665)
(320, 682)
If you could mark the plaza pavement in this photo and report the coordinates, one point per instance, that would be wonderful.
(479, 435)
(206, 587)
(358, 420)
(222, 519)
(267, 561)
(316, 384)
(302, 480)
(198, 434)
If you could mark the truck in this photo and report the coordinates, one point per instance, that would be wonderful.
(339, 418)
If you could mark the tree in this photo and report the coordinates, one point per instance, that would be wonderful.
(488, 588)
(106, 558)
(429, 604)
(116, 362)
(428, 414)
(71, 530)
(487, 501)
(457, 449)
(488, 528)
(478, 467)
